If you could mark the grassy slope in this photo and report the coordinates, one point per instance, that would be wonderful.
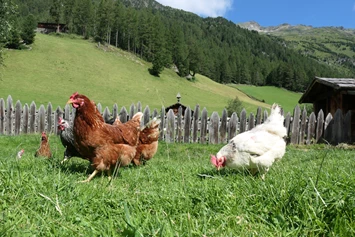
(166, 197)
(58, 66)
(288, 100)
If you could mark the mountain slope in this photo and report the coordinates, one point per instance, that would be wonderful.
(331, 45)
(107, 75)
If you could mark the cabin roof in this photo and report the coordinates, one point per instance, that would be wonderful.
(321, 85)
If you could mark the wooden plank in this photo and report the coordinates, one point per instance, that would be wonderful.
(123, 114)
(195, 124)
(67, 113)
(232, 126)
(99, 107)
(337, 131)
(179, 128)
(213, 128)
(114, 111)
(258, 116)
(2, 116)
(18, 113)
(41, 119)
(106, 114)
(9, 111)
(203, 129)
(155, 113)
(287, 124)
(146, 115)
(132, 111)
(320, 126)
(243, 121)
(49, 118)
(347, 127)
(251, 121)
(187, 125)
(303, 127)
(265, 115)
(25, 118)
(311, 129)
(162, 123)
(328, 127)
(32, 117)
(223, 127)
(58, 113)
(170, 127)
(139, 106)
(295, 128)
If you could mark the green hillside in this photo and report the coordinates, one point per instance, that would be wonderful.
(271, 94)
(56, 67)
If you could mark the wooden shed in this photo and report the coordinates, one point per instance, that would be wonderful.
(44, 27)
(330, 94)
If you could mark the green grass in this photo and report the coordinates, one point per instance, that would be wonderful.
(56, 67)
(167, 197)
(270, 94)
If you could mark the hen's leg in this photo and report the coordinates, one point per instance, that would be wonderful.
(109, 174)
(90, 177)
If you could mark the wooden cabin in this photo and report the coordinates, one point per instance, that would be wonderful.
(46, 28)
(175, 107)
(330, 94)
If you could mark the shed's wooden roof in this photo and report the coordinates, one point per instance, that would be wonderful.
(322, 85)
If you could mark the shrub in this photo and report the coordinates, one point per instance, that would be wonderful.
(234, 105)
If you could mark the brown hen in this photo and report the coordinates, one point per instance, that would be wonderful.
(104, 145)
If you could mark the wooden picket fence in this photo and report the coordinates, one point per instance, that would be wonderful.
(199, 128)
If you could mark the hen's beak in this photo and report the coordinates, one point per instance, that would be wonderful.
(70, 101)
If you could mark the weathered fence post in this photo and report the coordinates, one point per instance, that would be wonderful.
(123, 115)
(179, 128)
(114, 111)
(41, 119)
(232, 126)
(320, 125)
(162, 123)
(223, 127)
(25, 119)
(243, 121)
(57, 113)
(328, 127)
(2, 116)
(213, 128)
(303, 127)
(311, 128)
(187, 125)
(295, 131)
(49, 118)
(146, 115)
(18, 112)
(203, 129)
(132, 111)
(258, 116)
(251, 122)
(106, 114)
(9, 115)
(139, 106)
(170, 127)
(195, 124)
(33, 117)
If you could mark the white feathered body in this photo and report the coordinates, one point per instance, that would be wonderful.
(258, 148)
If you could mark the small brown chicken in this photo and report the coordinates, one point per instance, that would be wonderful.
(44, 149)
(148, 142)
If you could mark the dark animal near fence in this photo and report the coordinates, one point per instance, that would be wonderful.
(199, 128)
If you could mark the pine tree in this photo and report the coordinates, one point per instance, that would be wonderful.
(28, 29)
(55, 11)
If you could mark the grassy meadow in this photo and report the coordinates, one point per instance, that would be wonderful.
(271, 94)
(310, 192)
(57, 66)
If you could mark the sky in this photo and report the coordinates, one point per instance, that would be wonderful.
(316, 13)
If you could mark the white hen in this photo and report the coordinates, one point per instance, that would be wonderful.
(257, 149)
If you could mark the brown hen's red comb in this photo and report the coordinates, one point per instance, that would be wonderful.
(75, 94)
